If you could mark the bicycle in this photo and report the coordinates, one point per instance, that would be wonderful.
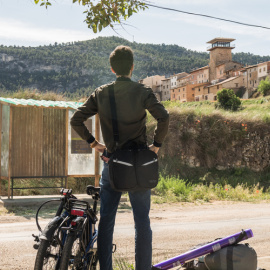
(51, 241)
(79, 250)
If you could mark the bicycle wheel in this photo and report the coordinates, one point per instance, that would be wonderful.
(48, 256)
(72, 254)
(93, 261)
(74, 258)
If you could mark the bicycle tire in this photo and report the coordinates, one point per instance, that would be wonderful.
(73, 256)
(47, 256)
(70, 256)
(93, 262)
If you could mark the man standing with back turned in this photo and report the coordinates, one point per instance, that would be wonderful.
(132, 100)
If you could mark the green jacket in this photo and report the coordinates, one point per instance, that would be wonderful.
(132, 100)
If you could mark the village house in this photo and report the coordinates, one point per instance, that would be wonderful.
(200, 75)
(235, 83)
(226, 70)
(251, 77)
(263, 71)
(180, 90)
(176, 77)
(155, 83)
(166, 89)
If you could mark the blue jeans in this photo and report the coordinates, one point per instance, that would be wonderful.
(140, 202)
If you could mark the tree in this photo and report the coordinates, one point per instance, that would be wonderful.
(103, 13)
(264, 86)
(228, 100)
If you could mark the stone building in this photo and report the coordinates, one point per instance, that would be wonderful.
(220, 53)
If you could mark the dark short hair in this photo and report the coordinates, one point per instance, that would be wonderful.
(121, 60)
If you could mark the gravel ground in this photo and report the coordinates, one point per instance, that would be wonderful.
(176, 228)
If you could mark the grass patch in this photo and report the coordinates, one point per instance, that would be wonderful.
(251, 110)
(174, 189)
(120, 263)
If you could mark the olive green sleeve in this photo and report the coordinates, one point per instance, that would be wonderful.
(158, 111)
(88, 109)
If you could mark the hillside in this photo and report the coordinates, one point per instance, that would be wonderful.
(80, 67)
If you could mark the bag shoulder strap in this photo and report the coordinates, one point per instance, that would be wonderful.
(114, 114)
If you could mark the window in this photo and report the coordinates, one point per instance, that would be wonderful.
(217, 86)
(250, 75)
(179, 90)
(183, 95)
(164, 87)
(193, 95)
(167, 86)
(264, 69)
(250, 82)
(199, 89)
(183, 89)
(215, 97)
(255, 81)
(236, 85)
(260, 70)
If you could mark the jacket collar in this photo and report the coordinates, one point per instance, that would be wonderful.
(120, 79)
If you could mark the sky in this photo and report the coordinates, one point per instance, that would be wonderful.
(22, 23)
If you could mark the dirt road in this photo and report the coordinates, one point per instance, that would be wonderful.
(176, 228)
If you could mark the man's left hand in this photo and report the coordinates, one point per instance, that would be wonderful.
(100, 147)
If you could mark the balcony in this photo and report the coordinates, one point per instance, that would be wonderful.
(220, 45)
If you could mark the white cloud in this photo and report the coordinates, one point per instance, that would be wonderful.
(222, 26)
(28, 33)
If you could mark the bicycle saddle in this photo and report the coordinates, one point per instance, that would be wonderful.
(91, 190)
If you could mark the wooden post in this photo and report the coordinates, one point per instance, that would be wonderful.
(10, 150)
(97, 136)
(66, 150)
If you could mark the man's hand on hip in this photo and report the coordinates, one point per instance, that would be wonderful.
(153, 148)
(99, 147)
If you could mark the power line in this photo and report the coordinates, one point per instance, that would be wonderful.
(208, 16)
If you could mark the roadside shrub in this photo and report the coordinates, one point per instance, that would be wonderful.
(264, 86)
(228, 100)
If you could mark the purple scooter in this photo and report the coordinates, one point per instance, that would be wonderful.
(203, 250)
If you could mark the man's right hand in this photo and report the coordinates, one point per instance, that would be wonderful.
(153, 148)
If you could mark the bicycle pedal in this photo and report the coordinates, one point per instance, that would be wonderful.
(36, 238)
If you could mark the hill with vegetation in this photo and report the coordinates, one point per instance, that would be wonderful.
(77, 68)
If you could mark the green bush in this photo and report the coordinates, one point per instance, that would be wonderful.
(264, 86)
(228, 100)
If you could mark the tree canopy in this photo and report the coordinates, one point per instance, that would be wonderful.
(104, 13)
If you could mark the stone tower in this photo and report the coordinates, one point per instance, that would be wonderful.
(220, 53)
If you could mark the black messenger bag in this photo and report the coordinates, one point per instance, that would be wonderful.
(134, 168)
